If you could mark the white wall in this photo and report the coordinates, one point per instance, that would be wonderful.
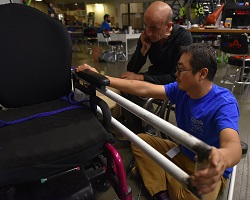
(134, 7)
(100, 10)
(115, 10)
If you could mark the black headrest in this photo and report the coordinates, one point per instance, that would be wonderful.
(35, 56)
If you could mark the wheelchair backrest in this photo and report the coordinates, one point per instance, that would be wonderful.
(33, 46)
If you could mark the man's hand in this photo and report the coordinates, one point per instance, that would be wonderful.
(84, 67)
(132, 76)
(206, 180)
(146, 43)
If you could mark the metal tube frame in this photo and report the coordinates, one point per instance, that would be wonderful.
(199, 147)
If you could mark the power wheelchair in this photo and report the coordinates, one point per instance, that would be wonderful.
(51, 146)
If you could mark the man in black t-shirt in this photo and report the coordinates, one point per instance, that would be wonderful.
(160, 42)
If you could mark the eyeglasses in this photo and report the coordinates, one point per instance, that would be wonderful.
(182, 70)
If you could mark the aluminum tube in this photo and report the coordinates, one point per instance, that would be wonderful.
(231, 185)
(165, 163)
(174, 132)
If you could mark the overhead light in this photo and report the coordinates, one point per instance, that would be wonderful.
(38, 0)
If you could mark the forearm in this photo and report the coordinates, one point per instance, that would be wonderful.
(230, 147)
(134, 87)
(137, 60)
(231, 152)
(138, 88)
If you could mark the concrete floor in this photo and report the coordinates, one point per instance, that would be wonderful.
(242, 183)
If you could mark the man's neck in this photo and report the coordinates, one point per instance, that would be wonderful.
(200, 90)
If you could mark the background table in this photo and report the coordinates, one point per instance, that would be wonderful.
(198, 33)
(217, 31)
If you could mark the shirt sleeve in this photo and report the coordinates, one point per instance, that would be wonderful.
(227, 117)
(171, 90)
(159, 79)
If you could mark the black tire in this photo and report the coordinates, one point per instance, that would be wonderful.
(198, 10)
(244, 147)
(195, 11)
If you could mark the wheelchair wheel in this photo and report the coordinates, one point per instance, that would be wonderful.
(198, 10)
(195, 11)
(244, 147)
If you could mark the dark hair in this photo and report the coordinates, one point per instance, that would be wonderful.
(202, 56)
(106, 16)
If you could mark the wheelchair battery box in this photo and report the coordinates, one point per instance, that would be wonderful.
(72, 184)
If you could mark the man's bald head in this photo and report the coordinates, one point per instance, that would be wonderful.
(159, 11)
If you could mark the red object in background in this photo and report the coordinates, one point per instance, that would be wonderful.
(242, 12)
(212, 18)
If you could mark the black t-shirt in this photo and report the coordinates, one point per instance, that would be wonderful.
(164, 58)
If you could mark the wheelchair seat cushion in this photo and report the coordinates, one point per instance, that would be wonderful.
(67, 135)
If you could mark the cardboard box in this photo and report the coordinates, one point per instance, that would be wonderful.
(228, 23)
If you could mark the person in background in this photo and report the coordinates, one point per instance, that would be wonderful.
(160, 42)
(52, 11)
(203, 109)
(105, 24)
(66, 20)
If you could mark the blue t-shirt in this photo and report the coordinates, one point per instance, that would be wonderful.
(206, 117)
(105, 25)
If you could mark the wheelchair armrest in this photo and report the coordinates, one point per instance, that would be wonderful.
(105, 111)
(93, 78)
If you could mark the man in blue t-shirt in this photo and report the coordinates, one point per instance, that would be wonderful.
(204, 110)
(105, 24)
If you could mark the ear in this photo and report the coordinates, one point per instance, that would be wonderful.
(203, 73)
(170, 24)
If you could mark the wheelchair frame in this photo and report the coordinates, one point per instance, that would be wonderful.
(199, 147)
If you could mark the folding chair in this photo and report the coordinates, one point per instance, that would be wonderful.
(90, 37)
(52, 146)
(116, 46)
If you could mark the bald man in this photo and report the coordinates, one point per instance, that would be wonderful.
(160, 42)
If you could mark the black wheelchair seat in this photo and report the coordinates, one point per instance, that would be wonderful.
(74, 132)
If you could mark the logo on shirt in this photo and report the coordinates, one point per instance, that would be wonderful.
(197, 126)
